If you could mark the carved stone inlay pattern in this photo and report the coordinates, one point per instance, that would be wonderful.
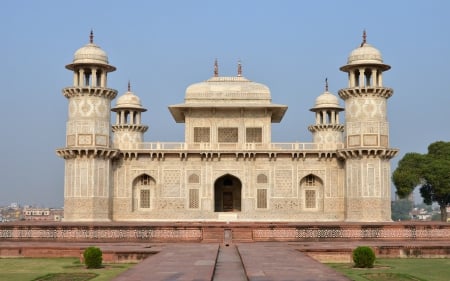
(364, 108)
(283, 186)
(285, 204)
(171, 183)
(170, 204)
(84, 139)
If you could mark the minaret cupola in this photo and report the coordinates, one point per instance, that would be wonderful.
(90, 65)
(366, 98)
(128, 128)
(327, 128)
(365, 66)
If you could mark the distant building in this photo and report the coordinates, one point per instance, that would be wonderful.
(227, 168)
(14, 205)
(42, 214)
(420, 214)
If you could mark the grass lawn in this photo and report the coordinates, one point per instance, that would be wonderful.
(26, 269)
(399, 270)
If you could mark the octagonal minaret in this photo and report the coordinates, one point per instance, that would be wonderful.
(327, 131)
(367, 153)
(88, 151)
(128, 130)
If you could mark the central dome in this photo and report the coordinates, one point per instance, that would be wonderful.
(227, 89)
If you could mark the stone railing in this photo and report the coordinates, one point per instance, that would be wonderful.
(172, 146)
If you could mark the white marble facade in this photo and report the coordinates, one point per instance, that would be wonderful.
(227, 168)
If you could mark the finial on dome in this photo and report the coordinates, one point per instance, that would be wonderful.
(364, 38)
(239, 68)
(216, 68)
(91, 37)
(326, 84)
(129, 86)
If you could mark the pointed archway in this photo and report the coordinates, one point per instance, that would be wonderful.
(227, 194)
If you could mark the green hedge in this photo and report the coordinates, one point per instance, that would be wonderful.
(363, 256)
(93, 257)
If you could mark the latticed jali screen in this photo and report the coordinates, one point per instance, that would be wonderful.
(228, 134)
(201, 134)
(193, 199)
(253, 135)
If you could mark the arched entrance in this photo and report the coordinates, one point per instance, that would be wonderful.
(227, 194)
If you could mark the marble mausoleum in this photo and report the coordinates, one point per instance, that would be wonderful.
(227, 168)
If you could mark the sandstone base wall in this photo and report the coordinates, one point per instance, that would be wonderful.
(218, 232)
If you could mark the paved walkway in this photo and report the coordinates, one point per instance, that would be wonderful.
(229, 265)
(268, 261)
(261, 261)
(281, 262)
(181, 262)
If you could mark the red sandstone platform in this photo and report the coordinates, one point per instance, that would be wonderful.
(292, 253)
(218, 232)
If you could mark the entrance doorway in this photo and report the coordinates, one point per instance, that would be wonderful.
(227, 194)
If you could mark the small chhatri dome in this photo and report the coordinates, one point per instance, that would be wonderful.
(129, 100)
(326, 100)
(365, 54)
(90, 54)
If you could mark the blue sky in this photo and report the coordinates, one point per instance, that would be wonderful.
(164, 46)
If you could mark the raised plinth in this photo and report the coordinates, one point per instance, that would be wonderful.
(215, 232)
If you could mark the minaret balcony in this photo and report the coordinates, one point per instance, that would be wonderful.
(70, 92)
(365, 91)
(89, 152)
(129, 128)
(368, 152)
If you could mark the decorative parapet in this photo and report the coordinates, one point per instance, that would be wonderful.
(279, 147)
(354, 232)
(165, 232)
(99, 233)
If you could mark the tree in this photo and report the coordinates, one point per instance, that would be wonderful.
(400, 209)
(430, 171)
